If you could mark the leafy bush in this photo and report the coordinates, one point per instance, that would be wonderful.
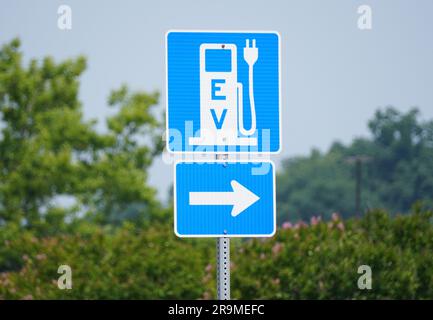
(321, 261)
(315, 261)
(123, 264)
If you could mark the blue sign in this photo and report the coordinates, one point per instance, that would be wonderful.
(223, 92)
(224, 199)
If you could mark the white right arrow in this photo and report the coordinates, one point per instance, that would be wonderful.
(241, 198)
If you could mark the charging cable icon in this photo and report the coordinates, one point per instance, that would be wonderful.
(221, 96)
(251, 54)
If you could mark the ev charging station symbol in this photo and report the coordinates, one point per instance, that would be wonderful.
(223, 91)
(221, 95)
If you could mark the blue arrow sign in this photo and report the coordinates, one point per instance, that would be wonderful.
(224, 199)
(223, 92)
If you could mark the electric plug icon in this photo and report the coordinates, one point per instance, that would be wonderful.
(251, 54)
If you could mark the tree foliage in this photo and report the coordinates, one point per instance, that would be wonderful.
(49, 152)
(398, 171)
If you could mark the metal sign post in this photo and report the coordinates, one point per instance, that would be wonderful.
(223, 268)
(223, 259)
(223, 97)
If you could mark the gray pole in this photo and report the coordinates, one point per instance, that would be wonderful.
(358, 173)
(223, 260)
(358, 160)
(223, 268)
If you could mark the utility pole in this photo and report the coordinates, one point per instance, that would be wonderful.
(358, 173)
(358, 160)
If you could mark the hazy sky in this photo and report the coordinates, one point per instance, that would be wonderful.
(334, 76)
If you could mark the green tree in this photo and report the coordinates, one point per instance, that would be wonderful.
(47, 149)
(398, 173)
(316, 185)
(402, 151)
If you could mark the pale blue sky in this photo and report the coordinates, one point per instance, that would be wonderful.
(334, 76)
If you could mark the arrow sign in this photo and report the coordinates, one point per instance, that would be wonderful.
(224, 199)
(240, 198)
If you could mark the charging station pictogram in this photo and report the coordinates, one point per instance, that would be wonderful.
(223, 92)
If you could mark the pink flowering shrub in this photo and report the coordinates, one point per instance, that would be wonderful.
(318, 260)
(124, 264)
(321, 261)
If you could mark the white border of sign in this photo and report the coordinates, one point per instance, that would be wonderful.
(279, 93)
(226, 235)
